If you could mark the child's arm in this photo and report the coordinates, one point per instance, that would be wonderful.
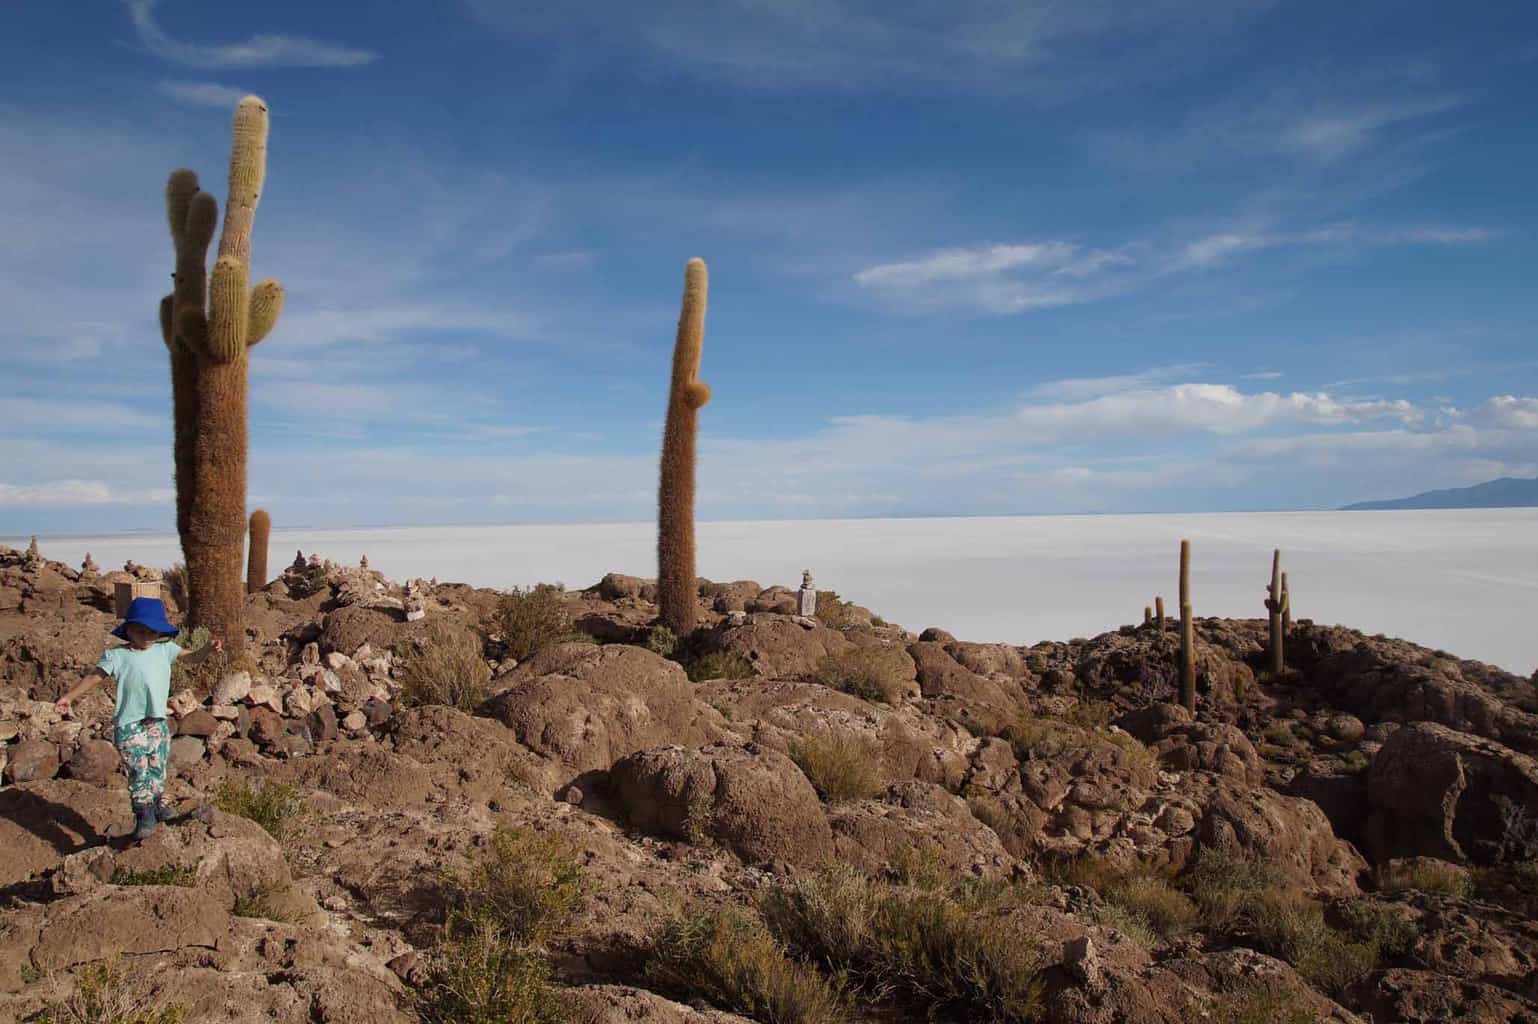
(197, 657)
(86, 685)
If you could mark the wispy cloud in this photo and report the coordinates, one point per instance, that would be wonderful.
(257, 51)
(1338, 129)
(203, 94)
(75, 493)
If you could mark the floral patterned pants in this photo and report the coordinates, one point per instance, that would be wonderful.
(145, 747)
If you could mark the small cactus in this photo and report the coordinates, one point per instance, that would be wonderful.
(256, 556)
(687, 394)
(1286, 608)
(1187, 632)
(1147, 615)
(1274, 608)
(1159, 613)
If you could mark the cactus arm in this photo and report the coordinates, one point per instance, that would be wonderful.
(181, 186)
(265, 306)
(168, 322)
(248, 171)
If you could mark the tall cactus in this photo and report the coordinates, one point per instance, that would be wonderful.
(1286, 608)
(1147, 615)
(687, 394)
(210, 327)
(256, 555)
(1274, 608)
(1159, 612)
(1187, 632)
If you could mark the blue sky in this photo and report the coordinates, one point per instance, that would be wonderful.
(970, 258)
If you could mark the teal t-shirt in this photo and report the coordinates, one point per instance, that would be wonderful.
(143, 680)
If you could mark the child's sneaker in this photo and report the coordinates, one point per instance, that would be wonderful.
(163, 811)
(145, 815)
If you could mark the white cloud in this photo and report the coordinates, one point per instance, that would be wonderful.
(203, 94)
(1080, 388)
(995, 278)
(257, 51)
(1510, 412)
(75, 493)
(1339, 129)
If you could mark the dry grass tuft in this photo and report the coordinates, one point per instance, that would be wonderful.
(444, 666)
(276, 806)
(527, 620)
(719, 665)
(877, 674)
(841, 766)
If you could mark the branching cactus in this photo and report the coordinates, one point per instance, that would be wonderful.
(256, 556)
(1274, 607)
(676, 582)
(1159, 612)
(1187, 632)
(208, 327)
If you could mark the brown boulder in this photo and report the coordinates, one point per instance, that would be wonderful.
(734, 596)
(267, 727)
(754, 801)
(1291, 834)
(197, 723)
(144, 919)
(32, 761)
(941, 675)
(1439, 793)
(780, 648)
(920, 819)
(616, 586)
(95, 761)
(587, 706)
(350, 627)
(43, 822)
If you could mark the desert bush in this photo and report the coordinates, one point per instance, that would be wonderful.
(727, 958)
(528, 884)
(103, 995)
(182, 875)
(839, 765)
(1384, 928)
(951, 956)
(1279, 733)
(258, 903)
(1140, 900)
(1259, 1005)
(174, 582)
(1251, 902)
(834, 612)
(1514, 886)
(478, 974)
(1043, 739)
(660, 640)
(1089, 713)
(1426, 876)
(1138, 754)
(444, 666)
(185, 675)
(276, 806)
(719, 665)
(988, 810)
(528, 619)
(870, 673)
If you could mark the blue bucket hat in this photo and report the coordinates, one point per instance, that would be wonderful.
(149, 612)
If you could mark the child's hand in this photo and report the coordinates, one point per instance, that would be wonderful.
(217, 645)
(61, 706)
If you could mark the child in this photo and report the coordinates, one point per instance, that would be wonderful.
(142, 669)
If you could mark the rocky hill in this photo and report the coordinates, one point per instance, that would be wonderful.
(430, 802)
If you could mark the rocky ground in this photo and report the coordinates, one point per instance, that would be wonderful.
(988, 832)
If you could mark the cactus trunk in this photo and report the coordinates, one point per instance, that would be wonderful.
(1274, 607)
(1159, 612)
(676, 582)
(256, 555)
(191, 215)
(1147, 615)
(218, 339)
(1187, 632)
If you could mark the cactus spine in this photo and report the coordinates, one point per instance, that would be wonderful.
(1286, 608)
(1274, 607)
(687, 394)
(1187, 632)
(1159, 612)
(256, 556)
(210, 326)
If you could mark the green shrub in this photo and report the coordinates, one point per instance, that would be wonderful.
(528, 884)
(1139, 900)
(184, 674)
(877, 674)
(444, 666)
(1221, 882)
(1257, 1005)
(727, 958)
(174, 582)
(276, 806)
(719, 665)
(660, 640)
(258, 903)
(1043, 739)
(1138, 755)
(953, 954)
(103, 995)
(530, 619)
(1426, 876)
(1088, 713)
(183, 875)
(839, 765)
(479, 975)
(1384, 928)
(834, 612)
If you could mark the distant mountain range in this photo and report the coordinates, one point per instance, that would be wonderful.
(1507, 492)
